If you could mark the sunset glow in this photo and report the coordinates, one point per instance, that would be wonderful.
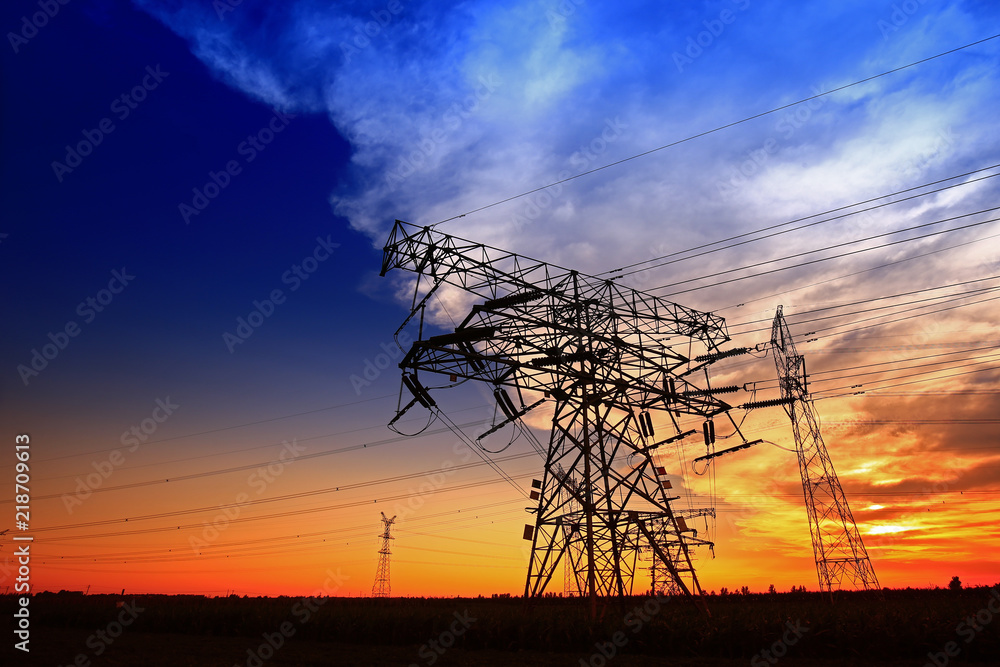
(204, 355)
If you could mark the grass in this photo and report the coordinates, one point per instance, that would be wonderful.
(863, 627)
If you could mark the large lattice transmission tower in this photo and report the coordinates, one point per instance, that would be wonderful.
(606, 358)
(381, 587)
(841, 558)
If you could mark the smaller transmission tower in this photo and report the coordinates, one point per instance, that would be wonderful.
(381, 588)
(661, 582)
(841, 558)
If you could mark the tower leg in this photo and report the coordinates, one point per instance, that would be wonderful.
(586, 509)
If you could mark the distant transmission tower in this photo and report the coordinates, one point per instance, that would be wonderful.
(661, 583)
(606, 358)
(381, 588)
(841, 558)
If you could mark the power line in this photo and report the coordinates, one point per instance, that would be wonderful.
(286, 497)
(889, 363)
(766, 384)
(184, 459)
(261, 550)
(249, 466)
(826, 259)
(717, 129)
(990, 358)
(876, 493)
(215, 430)
(457, 539)
(984, 359)
(480, 452)
(254, 553)
(351, 530)
(858, 273)
(869, 326)
(864, 422)
(901, 384)
(279, 515)
(800, 227)
(957, 392)
(938, 299)
(877, 298)
(896, 348)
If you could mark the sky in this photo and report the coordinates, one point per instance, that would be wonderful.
(195, 197)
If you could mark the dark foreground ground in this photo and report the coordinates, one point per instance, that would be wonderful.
(903, 628)
(162, 650)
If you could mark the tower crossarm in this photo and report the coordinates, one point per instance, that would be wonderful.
(616, 380)
(503, 277)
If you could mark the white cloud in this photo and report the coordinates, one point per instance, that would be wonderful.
(448, 111)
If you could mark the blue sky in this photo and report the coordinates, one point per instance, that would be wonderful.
(317, 124)
(534, 82)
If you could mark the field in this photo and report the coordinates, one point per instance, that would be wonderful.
(900, 627)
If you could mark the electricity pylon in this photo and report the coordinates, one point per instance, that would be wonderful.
(840, 553)
(606, 356)
(381, 587)
(660, 584)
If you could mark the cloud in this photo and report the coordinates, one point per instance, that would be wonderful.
(450, 108)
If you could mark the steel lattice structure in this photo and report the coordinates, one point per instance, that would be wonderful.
(381, 587)
(661, 583)
(840, 553)
(605, 355)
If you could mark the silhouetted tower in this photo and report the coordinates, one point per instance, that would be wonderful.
(381, 588)
(661, 583)
(608, 357)
(841, 558)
